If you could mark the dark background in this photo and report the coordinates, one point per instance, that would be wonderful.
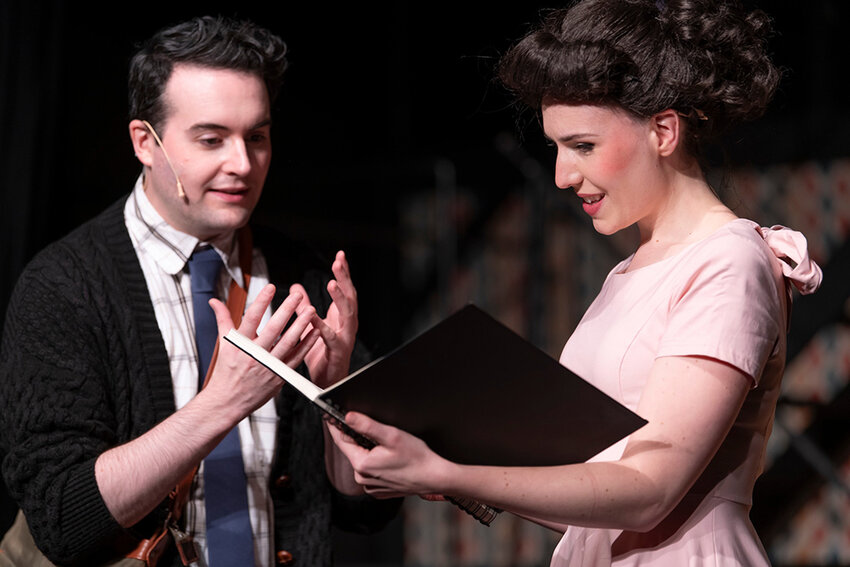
(375, 93)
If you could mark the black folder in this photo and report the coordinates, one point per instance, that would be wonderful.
(476, 393)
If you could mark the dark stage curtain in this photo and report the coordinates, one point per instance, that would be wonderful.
(32, 36)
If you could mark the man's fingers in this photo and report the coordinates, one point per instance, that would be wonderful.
(331, 336)
(299, 289)
(342, 273)
(274, 327)
(346, 305)
(341, 269)
(254, 313)
(291, 337)
(293, 359)
(328, 335)
(222, 316)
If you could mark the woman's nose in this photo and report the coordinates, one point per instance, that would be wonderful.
(566, 173)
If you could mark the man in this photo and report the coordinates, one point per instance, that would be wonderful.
(103, 356)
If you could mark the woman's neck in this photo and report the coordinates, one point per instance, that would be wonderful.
(690, 213)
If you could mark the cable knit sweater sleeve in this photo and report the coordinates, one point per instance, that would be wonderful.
(74, 379)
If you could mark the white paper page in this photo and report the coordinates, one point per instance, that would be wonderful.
(277, 366)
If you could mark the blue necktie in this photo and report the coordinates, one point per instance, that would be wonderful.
(229, 538)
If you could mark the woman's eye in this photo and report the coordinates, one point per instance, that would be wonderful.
(584, 147)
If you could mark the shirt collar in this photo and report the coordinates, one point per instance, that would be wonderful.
(169, 247)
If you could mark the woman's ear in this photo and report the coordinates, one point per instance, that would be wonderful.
(667, 130)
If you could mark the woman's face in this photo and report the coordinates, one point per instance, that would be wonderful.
(609, 159)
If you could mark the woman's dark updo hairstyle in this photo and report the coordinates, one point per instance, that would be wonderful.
(706, 59)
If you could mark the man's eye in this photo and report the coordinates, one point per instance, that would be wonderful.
(210, 141)
(257, 138)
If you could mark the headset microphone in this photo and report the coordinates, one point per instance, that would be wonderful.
(180, 192)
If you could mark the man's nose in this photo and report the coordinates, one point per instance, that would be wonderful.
(238, 161)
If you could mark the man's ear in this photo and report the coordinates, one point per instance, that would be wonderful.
(667, 128)
(143, 142)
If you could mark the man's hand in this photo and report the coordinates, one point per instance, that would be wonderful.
(134, 477)
(245, 384)
(329, 359)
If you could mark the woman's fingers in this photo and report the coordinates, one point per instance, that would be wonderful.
(433, 497)
(375, 430)
(349, 447)
(382, 492)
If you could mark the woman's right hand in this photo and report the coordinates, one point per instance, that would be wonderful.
(400, 464)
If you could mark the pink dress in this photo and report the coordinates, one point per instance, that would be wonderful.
(723, 297)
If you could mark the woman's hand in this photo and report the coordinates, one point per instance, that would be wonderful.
(399, 465)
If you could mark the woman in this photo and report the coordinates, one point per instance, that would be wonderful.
(689, 331)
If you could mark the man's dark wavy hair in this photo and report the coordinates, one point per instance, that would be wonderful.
(214, 42)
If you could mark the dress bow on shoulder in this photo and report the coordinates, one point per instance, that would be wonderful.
(791, 248)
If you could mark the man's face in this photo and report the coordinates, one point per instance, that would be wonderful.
(217, 134)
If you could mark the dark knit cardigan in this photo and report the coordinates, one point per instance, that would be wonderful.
(83, 368)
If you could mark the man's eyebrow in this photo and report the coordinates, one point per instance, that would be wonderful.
(262, 124)
(213, 126)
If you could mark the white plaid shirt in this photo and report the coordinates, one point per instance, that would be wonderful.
(163, 253)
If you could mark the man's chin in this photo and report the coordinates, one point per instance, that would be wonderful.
(222, 224)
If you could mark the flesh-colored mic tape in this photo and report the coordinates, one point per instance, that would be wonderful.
(180, 192)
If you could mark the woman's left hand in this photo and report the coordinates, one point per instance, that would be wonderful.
(399, 465)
